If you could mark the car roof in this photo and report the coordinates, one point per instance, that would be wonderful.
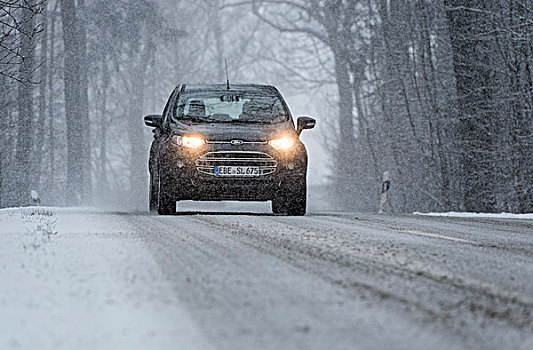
(233, 87)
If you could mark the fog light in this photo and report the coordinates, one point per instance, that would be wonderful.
(179, 164)
(290, 166)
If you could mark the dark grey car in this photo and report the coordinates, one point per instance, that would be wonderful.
(214, 143)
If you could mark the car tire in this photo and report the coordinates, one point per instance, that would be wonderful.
(297, 203)
(292, 201)
(278, 206)
(153, 194)
(166, 204)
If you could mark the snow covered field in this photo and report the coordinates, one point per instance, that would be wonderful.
(92, 279)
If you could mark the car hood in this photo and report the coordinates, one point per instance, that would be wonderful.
(236, 131)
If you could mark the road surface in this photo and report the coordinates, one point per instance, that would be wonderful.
(90, 279)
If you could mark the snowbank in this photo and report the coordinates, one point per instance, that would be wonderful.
(455, 214)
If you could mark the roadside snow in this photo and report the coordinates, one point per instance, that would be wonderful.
(480, 215)
(69, 280)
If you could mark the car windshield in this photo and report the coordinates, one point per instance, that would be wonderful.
(229, 107)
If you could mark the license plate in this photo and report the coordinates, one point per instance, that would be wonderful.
(237, 171)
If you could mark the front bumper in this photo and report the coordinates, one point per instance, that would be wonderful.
(189, 174)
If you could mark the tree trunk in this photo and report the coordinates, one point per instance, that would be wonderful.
(431, 86)
(138, 172)
(472, 66)
(219, 40)
(4, 117)
(51, 112)
(38, 155)
(84, 104)
(102, 175)
(25, 108)
(74, 119)
(346, 145)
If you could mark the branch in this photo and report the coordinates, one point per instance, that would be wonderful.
(283, 29)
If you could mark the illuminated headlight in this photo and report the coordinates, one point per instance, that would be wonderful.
(189, 141)
(282, 144)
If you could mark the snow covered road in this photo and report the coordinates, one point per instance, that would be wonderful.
(89, 279)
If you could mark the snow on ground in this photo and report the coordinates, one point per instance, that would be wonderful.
(481, 215)
(70, 281)
(247, 279)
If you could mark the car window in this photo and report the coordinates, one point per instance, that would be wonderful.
(227, 107)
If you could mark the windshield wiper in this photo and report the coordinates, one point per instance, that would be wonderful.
(211, 120)
(193, 119)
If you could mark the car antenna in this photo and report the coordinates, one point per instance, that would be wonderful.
(227, 76)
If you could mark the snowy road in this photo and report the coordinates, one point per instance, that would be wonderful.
(106, 280)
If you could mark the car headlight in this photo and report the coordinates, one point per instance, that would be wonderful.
(189, 141)
(282, 144)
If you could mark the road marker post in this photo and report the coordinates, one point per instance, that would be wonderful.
(385, 187)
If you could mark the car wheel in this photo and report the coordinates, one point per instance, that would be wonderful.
(153, 194)
(298, 202)
(292, 201)
(166, 204)
(278, 206)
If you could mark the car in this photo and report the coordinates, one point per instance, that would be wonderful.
(218, 142)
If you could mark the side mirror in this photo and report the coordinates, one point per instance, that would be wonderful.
(154, 120)
(304, 123)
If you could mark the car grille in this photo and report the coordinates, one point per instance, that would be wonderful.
(207, 162)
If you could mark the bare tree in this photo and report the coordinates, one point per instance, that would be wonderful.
(14, 27)
(76, 142)
(25, 105)
(37, 154)
(330, 22)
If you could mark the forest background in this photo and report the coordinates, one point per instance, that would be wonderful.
(438, 93)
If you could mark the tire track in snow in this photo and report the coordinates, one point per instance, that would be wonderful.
(275, 277)
(470, 299)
